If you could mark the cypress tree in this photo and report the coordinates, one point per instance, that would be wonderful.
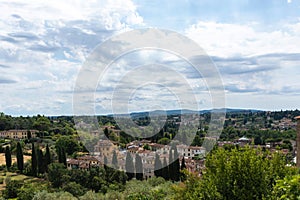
(20, 158)
(129, 166)
(29, 135)
(47, 158)
(114, 160)
(176, 165)
(105, 163)
(8, 157)
(138, 167)
(182, 167)
(165, 170)
(105, 160)
(33, 161)
(59, 155)
(40, 161)
(171, 170)
(157, 166)
(64, 156)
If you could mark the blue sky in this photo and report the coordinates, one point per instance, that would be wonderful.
(253, 43)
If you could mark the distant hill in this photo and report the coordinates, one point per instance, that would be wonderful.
(186, 111)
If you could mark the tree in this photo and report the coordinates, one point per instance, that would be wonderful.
(114, 160)
(74, 188)
(105, 162)
(243, 173)
(40, 161)
(129, 166)
(165, 170)
(20, 158)
(11, 189)
(182, 167)
(62, 155)
(56, 174)
(47, 158)
(29, 135)
(69, 143)
(157, 166)
(33, 161)
(176, 165)
(7, 157)
(138, 167)
(287, 188)
(171, 171)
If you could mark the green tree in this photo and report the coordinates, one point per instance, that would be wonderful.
(74, 188)
(40, 161)
(20, 158)
(47, 158)
(62, 155)
(182, 167)
(33, 161)
(157, 166)
(7, 157)
(243, 174)
(138, 167)
(176, 165)
(11, 189)
(114, 160)
(171, 170)
(165, 170)
(56, 174)
(287, 188)
(129, 167)
(69, 143)
(42, 123)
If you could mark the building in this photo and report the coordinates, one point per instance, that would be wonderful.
(190, 151)
(84, 162)
(104, 148)
(18, 134)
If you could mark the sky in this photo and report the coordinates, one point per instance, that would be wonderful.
(254, 44)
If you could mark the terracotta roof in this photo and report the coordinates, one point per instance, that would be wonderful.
(298, 117)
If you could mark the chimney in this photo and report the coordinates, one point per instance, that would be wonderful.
(298, 142)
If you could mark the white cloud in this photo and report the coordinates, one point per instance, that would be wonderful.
(44, 44)
(227, 40)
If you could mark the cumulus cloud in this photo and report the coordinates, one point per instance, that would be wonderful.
(43, 44)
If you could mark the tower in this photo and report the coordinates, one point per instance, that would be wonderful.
(298, 142)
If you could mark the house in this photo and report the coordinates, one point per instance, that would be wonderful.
(190, 151)
(83, 162)
(18, 134)
(104, 148)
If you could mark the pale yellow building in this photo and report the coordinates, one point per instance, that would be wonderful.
(17, 134)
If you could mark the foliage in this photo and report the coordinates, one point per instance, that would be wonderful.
(11, 189)
(69, 143)
(44, 195)
(74, 188)
(20, 159)
(33, 161)
(287, 188)
(129, 166)
(114, 160)
(138, 167)
(236, 174)
(56, 172)
(157, 166)
(7, 157)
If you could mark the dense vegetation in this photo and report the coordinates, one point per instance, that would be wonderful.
(230, 173)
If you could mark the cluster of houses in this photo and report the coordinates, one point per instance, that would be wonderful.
(104, 149)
